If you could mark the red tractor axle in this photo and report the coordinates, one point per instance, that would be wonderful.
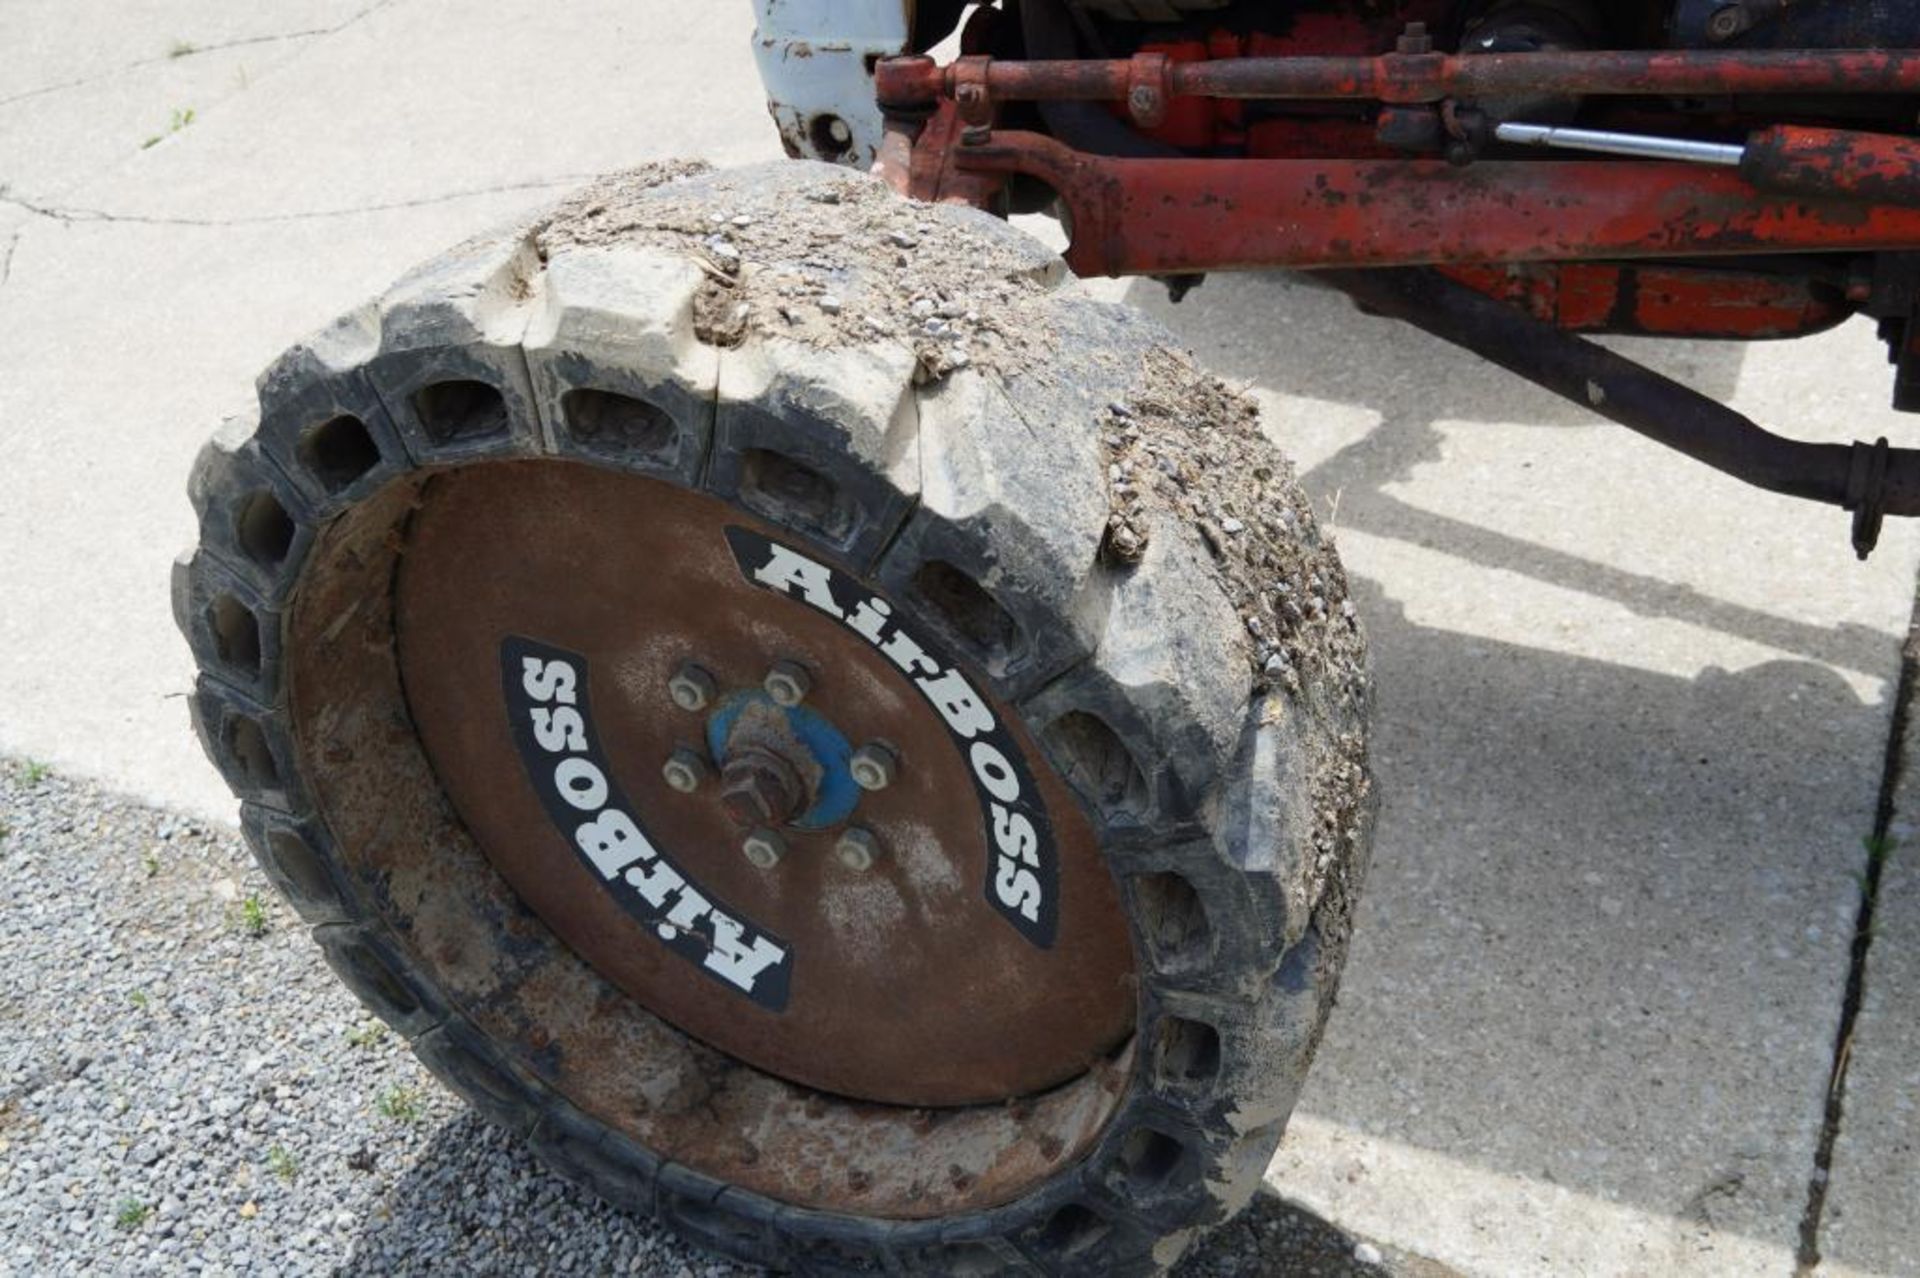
(1432, 178)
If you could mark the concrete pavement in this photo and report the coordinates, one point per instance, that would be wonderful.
(1633, 721)
(1633, 716)
(149, 288)
(1872, 1210)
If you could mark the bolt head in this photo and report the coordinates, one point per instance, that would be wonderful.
(788, 683)
(759, 789)
(764, 848)
(1729, 21)
(873, 767)
(857, 849)
(684, 771)
(691, 688)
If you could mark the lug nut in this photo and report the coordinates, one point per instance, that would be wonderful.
(788, 683)
(764, 848)
(691, 687)
(857, 849)
(873, 767)
(684, 771)
(759, 789)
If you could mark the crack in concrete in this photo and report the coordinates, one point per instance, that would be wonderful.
(1879, 847)
(194, 51)
(69, 215)
(6, 257)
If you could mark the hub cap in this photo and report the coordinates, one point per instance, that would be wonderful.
(878, 965)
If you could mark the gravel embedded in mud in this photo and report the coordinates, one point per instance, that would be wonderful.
(1189, 445)
(780, 261)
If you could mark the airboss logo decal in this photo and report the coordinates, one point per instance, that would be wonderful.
(1022, 871)
(552, 724)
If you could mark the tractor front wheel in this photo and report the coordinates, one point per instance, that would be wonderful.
(841, 741)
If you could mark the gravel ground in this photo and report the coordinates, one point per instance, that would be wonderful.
(184, 1088)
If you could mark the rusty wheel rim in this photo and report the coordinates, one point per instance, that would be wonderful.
(851, 940)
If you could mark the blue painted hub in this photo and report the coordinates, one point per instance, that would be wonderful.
(824, 743)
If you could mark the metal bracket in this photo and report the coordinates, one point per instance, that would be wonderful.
(1867, 493)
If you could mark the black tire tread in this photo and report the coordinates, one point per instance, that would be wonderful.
(1229, 1017)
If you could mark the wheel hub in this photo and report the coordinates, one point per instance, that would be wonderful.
(780, 765)
(735, 770)
(760, 788)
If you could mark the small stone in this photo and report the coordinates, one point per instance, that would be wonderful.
(922, 308)
(830, 303)
(1231, 526)
(1367, 1254)
(741, 219)
(248, 1210)
(952, 310)
(900, 239)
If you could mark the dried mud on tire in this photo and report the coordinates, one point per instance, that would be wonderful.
(1041, 481)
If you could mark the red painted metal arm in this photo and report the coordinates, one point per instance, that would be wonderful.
(1406, 78)
(1169, 216)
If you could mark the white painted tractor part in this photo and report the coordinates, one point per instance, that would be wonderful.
(816, 58)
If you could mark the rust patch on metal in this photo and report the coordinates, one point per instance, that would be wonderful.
(1662, 300)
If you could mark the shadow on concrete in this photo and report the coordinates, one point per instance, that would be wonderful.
(1278, 1238)
(1601, 922)
(1587, 950)
(1298, 339)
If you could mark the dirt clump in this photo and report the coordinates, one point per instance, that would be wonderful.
(795, 259)
(1188, 445)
